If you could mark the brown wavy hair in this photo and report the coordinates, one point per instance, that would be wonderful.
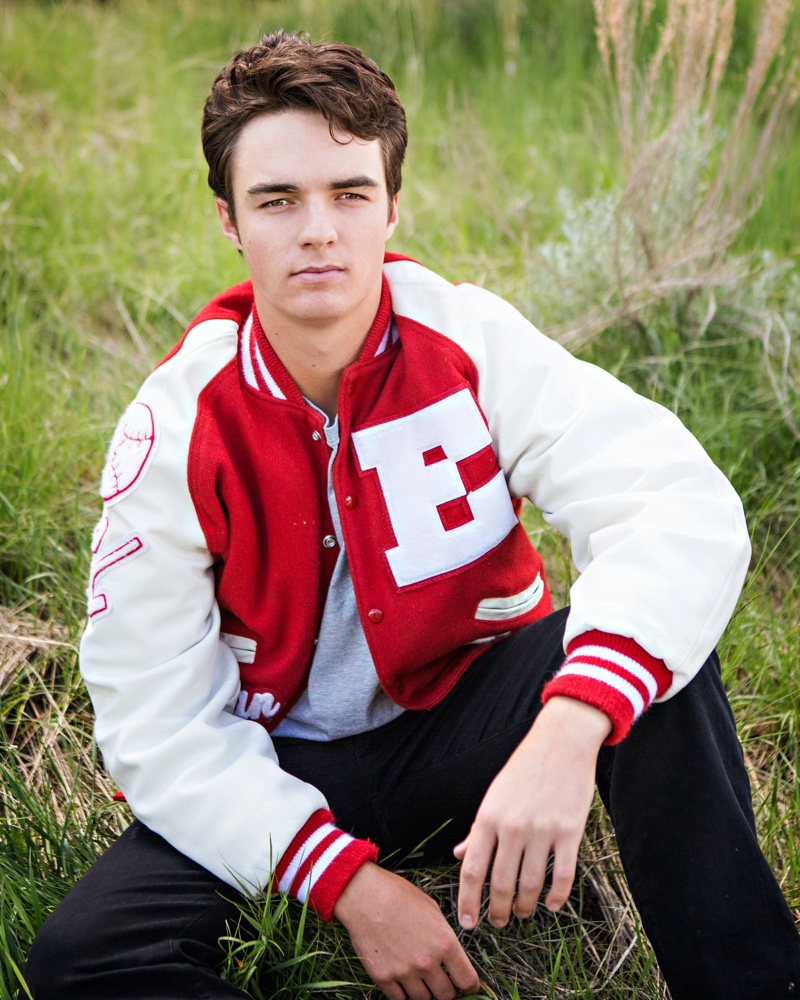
(286, 72)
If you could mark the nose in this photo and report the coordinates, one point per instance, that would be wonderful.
(317, 228)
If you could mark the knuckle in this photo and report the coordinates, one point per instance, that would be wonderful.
(553, 826)
(472, 873)
(563, 873)
(540, 830)
(515, 827)
(531, 883)
(447, 942)
(381, 976)
(502, 886)
(527, 893)
(426, 962)
(570, 829)
(487, 822)
(449, 947)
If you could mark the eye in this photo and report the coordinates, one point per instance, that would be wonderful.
(352, 196)
(275, 203)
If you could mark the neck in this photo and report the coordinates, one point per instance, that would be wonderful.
(316, 360)
(316, 355)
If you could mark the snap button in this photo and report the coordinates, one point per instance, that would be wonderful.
(375, 616)
(791, 989)
(329, 541)
(316, 436)
(351, 502)
(351, 389)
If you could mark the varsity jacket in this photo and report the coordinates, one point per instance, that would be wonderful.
(213, 555)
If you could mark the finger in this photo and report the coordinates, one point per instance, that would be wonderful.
(394, 991)
(473, 874)
(460, 970)
(440, 984)
(531, 880)
(565, 862)
(503, 885)
(461, 849)
(417, 990)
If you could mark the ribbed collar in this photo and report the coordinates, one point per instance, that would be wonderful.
(263, 370)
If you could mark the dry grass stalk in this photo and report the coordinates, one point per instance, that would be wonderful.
(660, 252)
(45, 725)
(509, 32)
(686, 193)
(22, 635)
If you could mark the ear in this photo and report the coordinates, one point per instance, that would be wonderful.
(228, 225)
(394, 217)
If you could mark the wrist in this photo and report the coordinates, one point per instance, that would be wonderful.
(577, 720)
(575, 715)
(351, 898)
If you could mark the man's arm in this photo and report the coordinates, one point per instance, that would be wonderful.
(657, 533)
(163, 684)
(659, 538)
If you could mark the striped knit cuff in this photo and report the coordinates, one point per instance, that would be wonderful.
(320, 861)
(612, 673)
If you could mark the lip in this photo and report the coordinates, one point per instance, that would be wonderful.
(315, 273)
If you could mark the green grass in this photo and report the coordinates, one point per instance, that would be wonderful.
(109, 242)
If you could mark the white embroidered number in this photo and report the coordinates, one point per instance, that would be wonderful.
(440, 525)
(132, 449)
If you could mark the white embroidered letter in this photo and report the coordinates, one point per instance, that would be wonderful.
(261, 704)
(447, 500)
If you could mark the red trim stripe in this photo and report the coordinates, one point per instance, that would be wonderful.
(613, 673)
(307, 871)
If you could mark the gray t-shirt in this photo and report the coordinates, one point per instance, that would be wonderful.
(344, 696)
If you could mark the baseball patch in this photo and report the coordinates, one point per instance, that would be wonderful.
(132, 449)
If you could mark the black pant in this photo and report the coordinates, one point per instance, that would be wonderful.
(144, 921)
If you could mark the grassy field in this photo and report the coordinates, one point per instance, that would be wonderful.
(518, 179)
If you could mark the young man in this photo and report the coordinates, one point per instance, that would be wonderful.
(311, 591)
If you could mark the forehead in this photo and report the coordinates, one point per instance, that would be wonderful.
(297, 147)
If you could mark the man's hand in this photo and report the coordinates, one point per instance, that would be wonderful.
(536, 806)
(401, 936)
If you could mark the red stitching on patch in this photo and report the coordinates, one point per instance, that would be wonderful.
(455, 513)
(434, 455)
(99, 533)
(479, 469)
(131, 450)
(129, 547)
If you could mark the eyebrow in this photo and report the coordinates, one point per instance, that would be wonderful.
(360, 181)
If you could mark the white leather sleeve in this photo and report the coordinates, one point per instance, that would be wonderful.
(162, 683)
(657, 532)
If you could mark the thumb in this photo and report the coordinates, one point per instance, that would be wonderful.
(461, 849)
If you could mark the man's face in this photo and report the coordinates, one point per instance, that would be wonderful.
(311, 221)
